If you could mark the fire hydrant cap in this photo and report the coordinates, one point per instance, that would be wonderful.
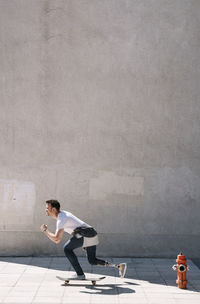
(181, 257)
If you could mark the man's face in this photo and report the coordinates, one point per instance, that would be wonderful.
(49, 210)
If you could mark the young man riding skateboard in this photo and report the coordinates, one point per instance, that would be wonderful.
(82, 234)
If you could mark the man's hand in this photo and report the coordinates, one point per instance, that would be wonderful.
(43, 227)
(54, 237)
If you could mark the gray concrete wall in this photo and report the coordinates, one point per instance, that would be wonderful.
(100, 110)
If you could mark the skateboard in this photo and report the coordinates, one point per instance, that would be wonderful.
(93, 280)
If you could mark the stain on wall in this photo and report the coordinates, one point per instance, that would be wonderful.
(109, 183)
(17, 204)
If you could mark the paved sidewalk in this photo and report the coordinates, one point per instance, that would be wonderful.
(33, 280)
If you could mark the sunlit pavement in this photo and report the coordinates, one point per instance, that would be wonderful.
(33, 280)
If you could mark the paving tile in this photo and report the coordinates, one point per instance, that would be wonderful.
(159, 295)
(187, 296)
(9, 279)
(75, 300)
(22, 293)
(161, 301)
(29, 279)
(137, 301)
(104, 299)
(22, 299)
(53, 291)
(183, 301)
(4, 290)
(47, 299)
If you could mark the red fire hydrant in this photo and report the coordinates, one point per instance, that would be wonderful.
(181, 268)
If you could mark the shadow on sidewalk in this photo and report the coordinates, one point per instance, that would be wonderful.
(105, 289)
(142, 270)
(109, 289)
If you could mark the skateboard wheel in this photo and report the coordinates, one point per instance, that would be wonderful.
(93, 283)
(66, 282)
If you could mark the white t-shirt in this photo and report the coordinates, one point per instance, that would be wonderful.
(69, 222)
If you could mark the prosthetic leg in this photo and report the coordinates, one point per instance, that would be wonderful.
(122, 267)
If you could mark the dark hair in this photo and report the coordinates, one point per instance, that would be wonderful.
(54, 204)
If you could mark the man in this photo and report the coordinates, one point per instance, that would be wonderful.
(83, 235)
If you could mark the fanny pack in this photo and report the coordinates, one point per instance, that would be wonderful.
(85, 231)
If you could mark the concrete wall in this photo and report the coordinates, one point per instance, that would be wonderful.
(99, 108)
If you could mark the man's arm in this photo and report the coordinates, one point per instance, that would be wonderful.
(54, 237)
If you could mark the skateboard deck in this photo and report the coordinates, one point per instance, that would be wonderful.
(92, 279)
